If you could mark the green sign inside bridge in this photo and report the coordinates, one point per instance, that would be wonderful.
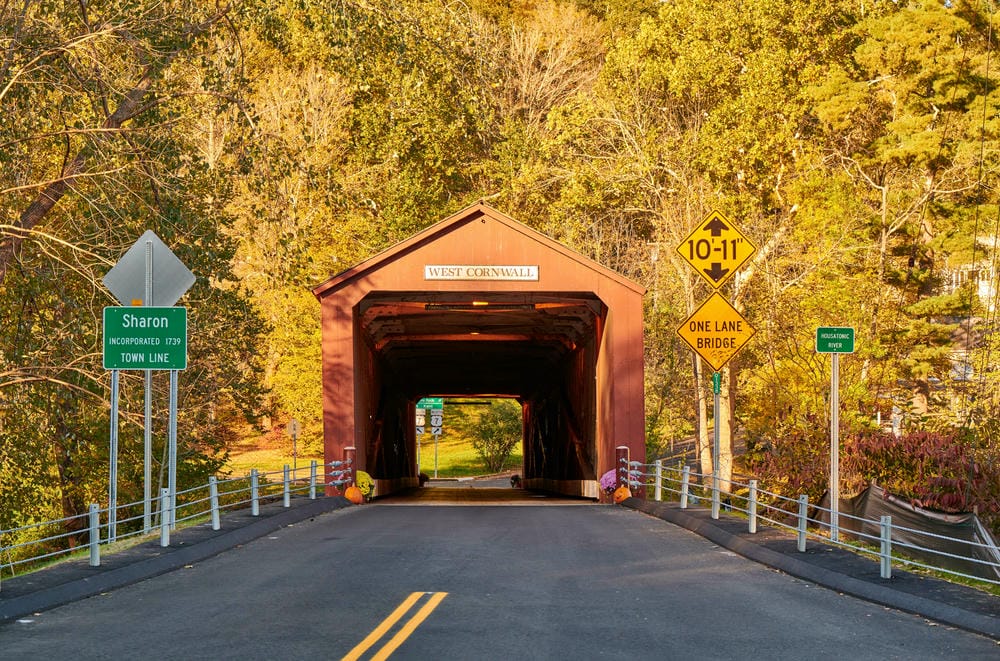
(145, 338)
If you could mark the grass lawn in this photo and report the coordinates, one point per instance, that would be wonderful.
(242, 460)
(456, 458)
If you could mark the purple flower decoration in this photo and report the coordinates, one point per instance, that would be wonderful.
(609, 481)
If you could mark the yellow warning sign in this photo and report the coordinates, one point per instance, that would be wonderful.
(716, 249)
(716, 331)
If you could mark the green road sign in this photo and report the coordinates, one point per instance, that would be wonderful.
(834, 340)
(145, 338)
(431, 403)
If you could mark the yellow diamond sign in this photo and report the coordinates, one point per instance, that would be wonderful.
(716, 249)
(716, 331)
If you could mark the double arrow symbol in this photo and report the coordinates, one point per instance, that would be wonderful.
(715, 228)
(716, 273)
(716, 249)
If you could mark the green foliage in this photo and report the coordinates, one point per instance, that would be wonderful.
(494, 432)
(103, 140)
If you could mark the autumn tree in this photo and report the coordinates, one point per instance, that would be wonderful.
(99, 144)
(904, 117)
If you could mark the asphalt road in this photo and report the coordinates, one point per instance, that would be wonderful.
(521, 582)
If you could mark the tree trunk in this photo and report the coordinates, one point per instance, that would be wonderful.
(52, 193)
(723, 418)
(704, 447)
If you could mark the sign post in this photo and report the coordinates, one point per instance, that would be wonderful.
(293, 429)
(437, 422)
(716, 330)
(149, 261)
(436, 406)
(716, 438)
(420, 424)
(147, 338)
(834, 341)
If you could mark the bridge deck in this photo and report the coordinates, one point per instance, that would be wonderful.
(468, 493)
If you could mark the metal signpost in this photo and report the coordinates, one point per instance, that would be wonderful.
(147, 263)
(421, 420)
(834, 341)
(716, 330)
(293, 429)
(436, 406)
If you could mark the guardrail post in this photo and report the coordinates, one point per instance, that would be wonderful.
(621, 466)
(213, 500)
(285, 495)
(164, 517)
(95, 535)
(254, 493)
(752, 508)
(350, 454)
(803, 519)
(885, 525)
(658, 490)
(685, 486)
(312, 480)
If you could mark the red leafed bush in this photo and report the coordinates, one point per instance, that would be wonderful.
(792, 465)
(932, 470)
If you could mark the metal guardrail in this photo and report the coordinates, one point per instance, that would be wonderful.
(779, 511)
(32, 545)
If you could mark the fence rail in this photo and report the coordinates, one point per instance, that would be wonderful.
(36, 544)
(746, 499)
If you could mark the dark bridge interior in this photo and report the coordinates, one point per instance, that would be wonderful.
(540, 348)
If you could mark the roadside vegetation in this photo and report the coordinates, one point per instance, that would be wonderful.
(271, 145)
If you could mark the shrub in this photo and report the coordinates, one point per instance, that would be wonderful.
(496, 433)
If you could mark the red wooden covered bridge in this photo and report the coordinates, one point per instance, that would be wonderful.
(479, 304)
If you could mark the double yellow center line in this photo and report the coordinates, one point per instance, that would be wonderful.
(404, 631)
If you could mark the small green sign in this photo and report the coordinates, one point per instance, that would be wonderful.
(716, 383)
(145, 338)
(431, 403)
(834, 340)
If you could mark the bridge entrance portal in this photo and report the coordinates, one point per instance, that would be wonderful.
(481, 305)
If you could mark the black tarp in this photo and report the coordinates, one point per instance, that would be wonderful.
(960, 529)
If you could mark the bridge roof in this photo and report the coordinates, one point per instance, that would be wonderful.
(464, 219)
(515, 330)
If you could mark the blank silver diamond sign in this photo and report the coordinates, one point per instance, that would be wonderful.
(170, 278)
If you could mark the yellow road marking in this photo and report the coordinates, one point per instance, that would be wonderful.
(390, 621)
(410, 627)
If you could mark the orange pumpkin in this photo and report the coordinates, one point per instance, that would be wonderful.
(353, 494)
(621, 493)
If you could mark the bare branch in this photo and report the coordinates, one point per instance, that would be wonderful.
(131, 104)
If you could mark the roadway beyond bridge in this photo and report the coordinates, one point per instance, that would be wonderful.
(491, 582)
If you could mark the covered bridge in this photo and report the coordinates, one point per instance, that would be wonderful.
(479, 304)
